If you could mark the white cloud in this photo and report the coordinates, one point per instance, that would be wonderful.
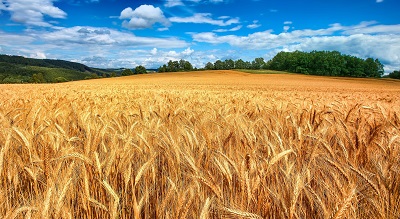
(287, 22)
(233, 29)
(205, 18)
(286, 28)
(154, 51)
(38, 55)
(188, 51)
(106, 36)
(254, 25)
(379, 1)
(371, 28)
(173, 3)
(32, 12)
(116, 48)
(145, 16)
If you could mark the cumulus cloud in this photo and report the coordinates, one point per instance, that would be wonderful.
(32, 12)
(106, 36)
(206, 18)
(118, 49)
(145, 16)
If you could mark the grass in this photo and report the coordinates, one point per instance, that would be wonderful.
(217, 144)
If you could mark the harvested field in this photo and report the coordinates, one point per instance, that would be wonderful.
(218, 144)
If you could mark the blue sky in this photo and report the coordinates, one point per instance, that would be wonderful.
(127, 33)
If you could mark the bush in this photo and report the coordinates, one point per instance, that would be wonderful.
(60, 80)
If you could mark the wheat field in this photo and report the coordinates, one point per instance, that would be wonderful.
(218, 144)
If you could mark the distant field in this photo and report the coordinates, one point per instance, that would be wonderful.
(208, 144)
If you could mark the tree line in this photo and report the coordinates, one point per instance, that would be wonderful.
(329, 63)
(394, 74)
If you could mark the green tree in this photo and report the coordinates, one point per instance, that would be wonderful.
(258, 63)
(209, 66)
(395, 75)
(162, 68)
(126, 72)
(38, 78)
(219, 65)
(240, 64)
(229, 64)
(381, 70)
(140, 70)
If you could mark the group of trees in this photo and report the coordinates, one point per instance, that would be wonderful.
(395, 75)
(330, 63)
(175, 66)
(138, 70)
(228, 64)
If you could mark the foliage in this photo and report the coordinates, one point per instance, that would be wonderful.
(49, 63)
(140, 70)
(176, 66)
(395, 75)
(126, 72)
(13, 73)
(330, 63)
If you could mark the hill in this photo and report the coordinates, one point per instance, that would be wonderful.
(18, 69)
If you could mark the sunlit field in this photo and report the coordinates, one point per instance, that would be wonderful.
(218, 144)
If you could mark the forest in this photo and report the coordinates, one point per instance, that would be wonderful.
(326, 63)
(18, 69)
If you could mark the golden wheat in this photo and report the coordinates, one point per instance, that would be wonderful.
(218, 144)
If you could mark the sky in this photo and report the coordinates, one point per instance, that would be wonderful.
(128, 33)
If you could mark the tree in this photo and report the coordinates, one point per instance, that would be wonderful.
(219, 65)
(185, 65)
(229, 64)
(240, 64)
(127, 72)
(173, 66)
(380, 68)
(162, 68)
(113, 74)
(209, 66)
(258, 63)
(395, 75)
(38, 78)
(140, 70)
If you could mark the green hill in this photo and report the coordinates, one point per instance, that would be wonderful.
(17, 69)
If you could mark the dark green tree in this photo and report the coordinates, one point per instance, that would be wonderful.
(140, 70)
(395, 75)
(209, 66)
(219, 65)
(126, 72)
(258, 63)
(240, 64)
(229, 64)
